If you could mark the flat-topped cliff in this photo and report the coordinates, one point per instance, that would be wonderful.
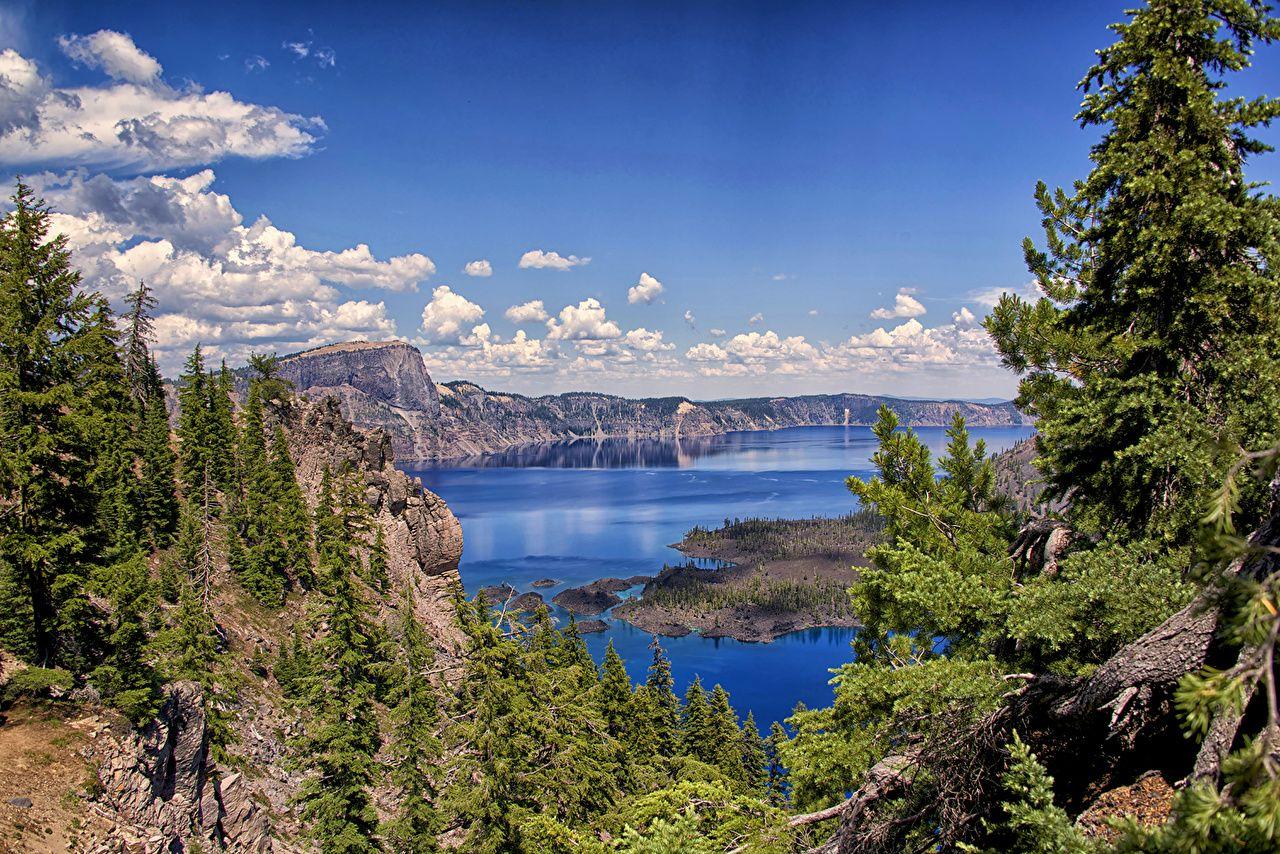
(386, 385)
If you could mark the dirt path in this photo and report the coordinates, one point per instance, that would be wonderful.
(46, 760)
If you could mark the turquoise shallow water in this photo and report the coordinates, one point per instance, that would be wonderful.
(586, 510)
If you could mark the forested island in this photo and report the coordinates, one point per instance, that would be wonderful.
(244, 630)
(767, 577)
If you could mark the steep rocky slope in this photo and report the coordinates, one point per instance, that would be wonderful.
(159, 788)
(385, 385)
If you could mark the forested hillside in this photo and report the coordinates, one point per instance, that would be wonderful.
(258, 621)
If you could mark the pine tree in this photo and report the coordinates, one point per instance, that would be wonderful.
(1154, 351)
(754, 759)
(697, 725)
(970, 474)
(725, 736)
(615, 694)
(52, 336)
(664, 705)
(414, 745)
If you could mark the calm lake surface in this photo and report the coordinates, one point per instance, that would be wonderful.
(584, 510)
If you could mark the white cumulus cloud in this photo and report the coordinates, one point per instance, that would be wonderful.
(528, 312)
(537, 259)
(584, 322)
(450, 317)
(481, 268)
(904, 305)
(706, 352)
(988, 297)
(114, 53)
(644, 291)
(133, 120)
(235, 287)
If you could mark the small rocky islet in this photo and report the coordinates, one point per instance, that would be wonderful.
(598, 596)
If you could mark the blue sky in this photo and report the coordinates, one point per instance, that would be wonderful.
(796, 176)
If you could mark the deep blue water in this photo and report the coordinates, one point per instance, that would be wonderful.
(580, 511)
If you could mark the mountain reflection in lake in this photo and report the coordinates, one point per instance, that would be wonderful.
(605, 454)
(578, 511)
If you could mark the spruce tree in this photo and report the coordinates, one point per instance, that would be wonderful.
(414, 746)
(342, 736)
(754, 759)
(194, 425)
(776, 772)
(697, 727)
(190, 648)
(270, 514)
(52, 335)
(126, 678)
(571, 655)
(378, 573)
(532, 749)
(615, 694)
(138, 331)
(725, 737)
(159, 506)
(222, 429)
(664, 705)
(292, 524)
(1153, 352)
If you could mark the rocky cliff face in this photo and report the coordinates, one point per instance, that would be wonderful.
(379, 384)
(376, 385)
(161, 786)
(424, 539)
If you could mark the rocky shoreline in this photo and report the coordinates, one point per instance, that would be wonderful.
(598, 596)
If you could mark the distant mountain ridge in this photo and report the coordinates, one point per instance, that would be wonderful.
(386, 385)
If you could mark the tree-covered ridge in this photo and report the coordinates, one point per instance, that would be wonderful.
(762, 539)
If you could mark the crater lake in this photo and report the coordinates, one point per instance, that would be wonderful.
(579, 511)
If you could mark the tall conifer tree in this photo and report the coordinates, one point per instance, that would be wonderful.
(414, 744)
(52, 334)
(1153, 352)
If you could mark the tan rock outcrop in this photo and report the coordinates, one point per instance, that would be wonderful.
(168, 792)
(423, 538)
